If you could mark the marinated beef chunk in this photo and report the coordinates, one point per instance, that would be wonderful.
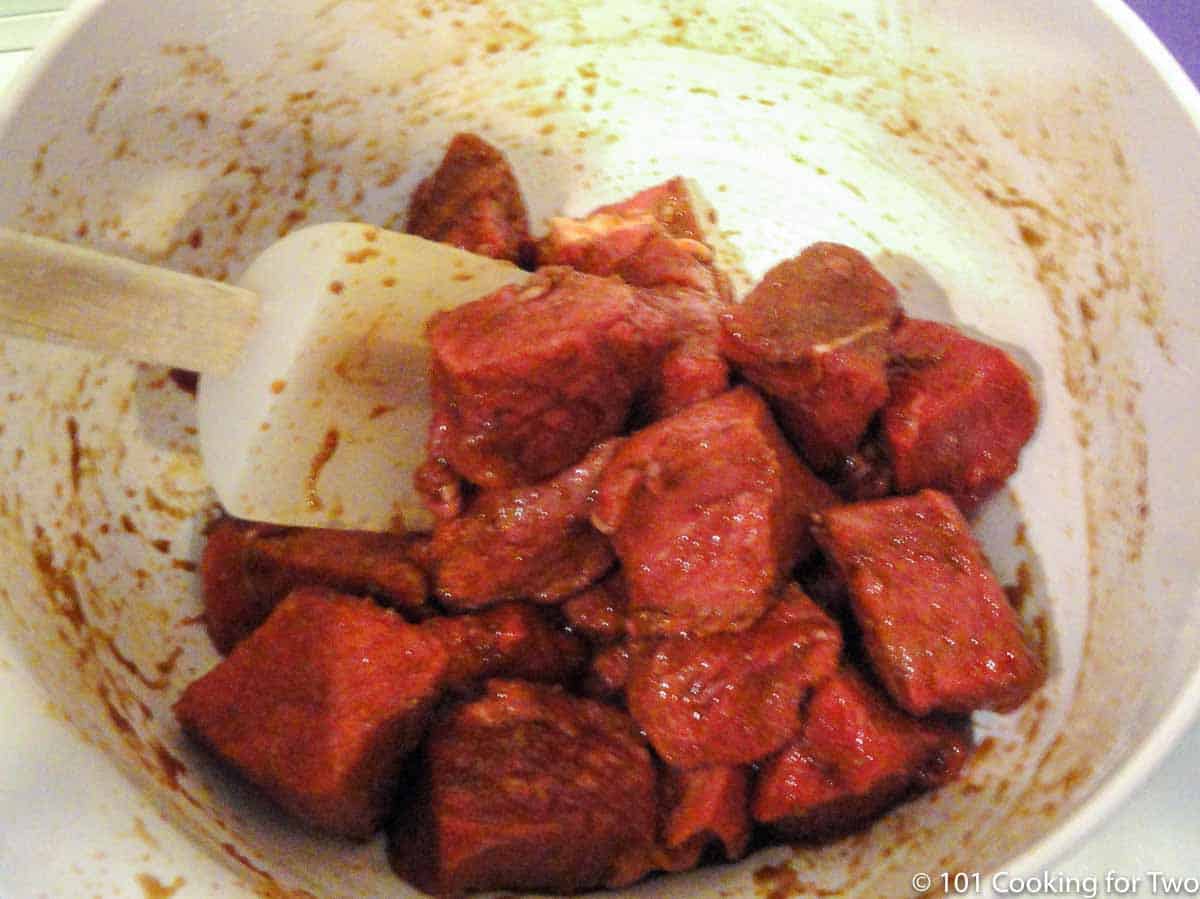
(319, 707)
(708, 511)
(472, 202)
(959, 413)
(657, 240)
(526, 788)
(510, 640)
(936, 624)
(247, 568)
(525, 542)
(358, 562)
(232, 607)
(526, 380)
(696, 809)
(813, 336)
(598, 613)
(733, 698)
(856, 756)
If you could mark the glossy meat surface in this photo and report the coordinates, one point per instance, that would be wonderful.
(657, 239)
(358, 562)
(247, 568)
(708, 510)
(534, 542)
(320, 706)
(526, 788)
(526, 380)
(733, 698)
(472, 201)
(857, 756)
(515, 640)
(959, 414)
(936, 624)
(814, 337)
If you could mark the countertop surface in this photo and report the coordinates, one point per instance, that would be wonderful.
(1149, 847)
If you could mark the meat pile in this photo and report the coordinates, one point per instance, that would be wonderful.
(702, 577)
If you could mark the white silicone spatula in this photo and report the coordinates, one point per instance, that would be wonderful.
(313, 404)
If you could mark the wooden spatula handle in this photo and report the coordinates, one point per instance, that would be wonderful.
(63, 293)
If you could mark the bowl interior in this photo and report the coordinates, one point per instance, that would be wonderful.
(1021, 171)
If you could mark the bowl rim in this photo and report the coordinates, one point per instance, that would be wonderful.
(1183, 713)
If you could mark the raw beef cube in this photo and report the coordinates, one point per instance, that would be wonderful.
(510, 640)
(472, 202)
(856, 757)
(358, 562)
(733, 698)
(232, 607)
(813, 336)
(708, 511)
(526, 380)
(959, 413)
(533, 542)
(526, 788)
(695, 809)
(658, 240)
(247, 568)
(655, 239)
(936, 624)
(598, 613)
(319, 707)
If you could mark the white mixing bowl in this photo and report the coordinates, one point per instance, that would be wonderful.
(1029, 169)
